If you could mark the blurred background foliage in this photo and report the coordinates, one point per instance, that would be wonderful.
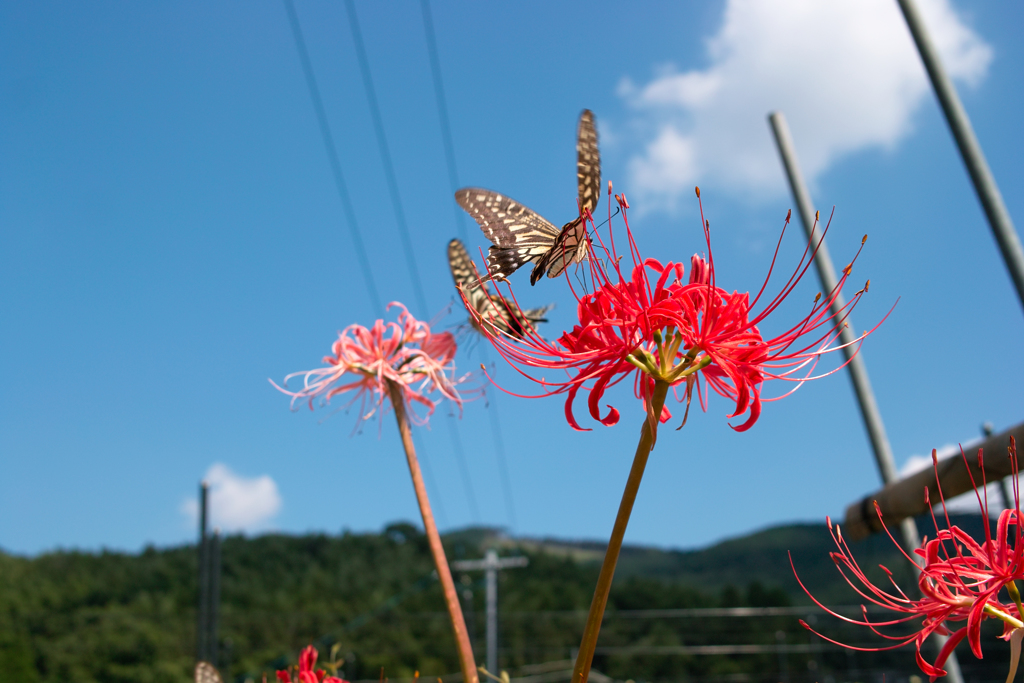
(114, 617)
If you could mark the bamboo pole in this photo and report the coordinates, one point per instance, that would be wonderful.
(855, 363)
(970, 150)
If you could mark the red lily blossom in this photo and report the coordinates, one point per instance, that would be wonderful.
(405, 353)
(650, 324)
(306, 673)
(958, 585)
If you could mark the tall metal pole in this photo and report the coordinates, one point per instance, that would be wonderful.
(491, 564)
(491, 558)
(204, 584)
(855, 362)
(977, 167)
(213, 611)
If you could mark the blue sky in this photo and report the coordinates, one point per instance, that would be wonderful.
(172, 238)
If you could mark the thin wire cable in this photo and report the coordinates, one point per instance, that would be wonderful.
(442, 111)
(385, 154)
(453, 178)
(499, 450)
(460, 455)
(332, 156)
(403, 228)
(346, 202)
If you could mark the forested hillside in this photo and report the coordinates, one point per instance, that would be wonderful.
(114, 617)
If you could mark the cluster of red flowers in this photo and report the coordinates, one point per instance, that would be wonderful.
(960, 580)
(404, 353)
(653, 325)
(306, 673)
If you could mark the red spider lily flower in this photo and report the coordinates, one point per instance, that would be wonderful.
(405, 353)
(650, 324)
(962, 585)
(306, 673)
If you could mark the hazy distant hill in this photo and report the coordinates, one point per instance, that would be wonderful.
(761, 556)
(114, 617)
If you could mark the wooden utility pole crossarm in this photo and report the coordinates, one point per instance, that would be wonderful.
(905, 498)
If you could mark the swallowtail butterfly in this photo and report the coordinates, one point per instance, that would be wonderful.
(206, 673)
(491, 309)
(521, 235)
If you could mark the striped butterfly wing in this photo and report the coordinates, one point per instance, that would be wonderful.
(206, 673)
(572, 245)
(588, 161)
(515, 321)
(537, 315)
(465, 275)
(492, 310)
(519, 234)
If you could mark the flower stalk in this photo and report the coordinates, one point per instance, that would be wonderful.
(585, 658)
(444, 574)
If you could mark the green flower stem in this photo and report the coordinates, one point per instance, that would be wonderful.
(611, 557)
(451, 598)
(1011, 588)
(1000, 614)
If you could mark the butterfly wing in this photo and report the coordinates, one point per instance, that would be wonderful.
(463, 269)
(519, 234)
(588, 161)
(206, 673)
(536, 315)
(492, 310)
(572, 244)
(466, 277)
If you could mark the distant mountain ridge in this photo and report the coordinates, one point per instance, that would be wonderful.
(108, 617)
(761, 555)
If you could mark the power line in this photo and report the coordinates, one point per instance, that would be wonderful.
(499, 452)
(403, 228)
(442, 111)
(385, 154)
(460, 455)
(332, 156)
(460, 218)
(346, 202)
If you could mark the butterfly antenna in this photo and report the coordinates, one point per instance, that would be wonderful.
(607, 220)
(582, 280)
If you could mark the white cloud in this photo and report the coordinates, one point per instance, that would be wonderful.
(236, 503)
(845, 73)
(965, 502)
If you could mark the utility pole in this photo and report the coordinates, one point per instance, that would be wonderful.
(855, 362)
(491, 565)
(208, 614)
(213, 611)
(204, 582)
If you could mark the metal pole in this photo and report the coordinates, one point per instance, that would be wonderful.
(491, 565)
(858, 371)
(977, 167)
(491, 559)
(214, 608)
(201, 652)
